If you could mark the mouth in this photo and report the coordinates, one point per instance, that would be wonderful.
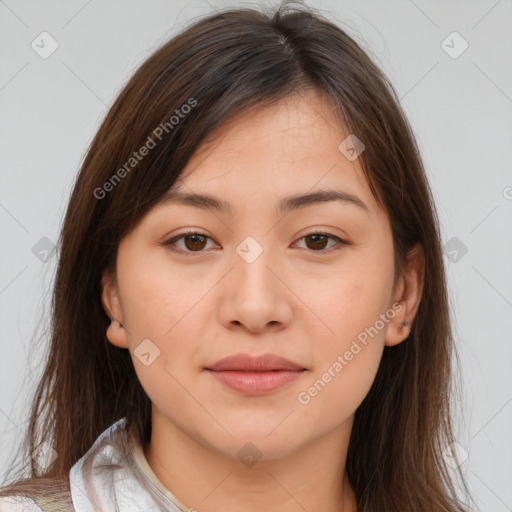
(255, 376)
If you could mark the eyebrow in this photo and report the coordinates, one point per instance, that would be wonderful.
(285, 205)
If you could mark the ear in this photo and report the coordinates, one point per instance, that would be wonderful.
(116, 333)
(408, 292)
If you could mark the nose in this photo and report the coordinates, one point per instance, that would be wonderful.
(256, 295)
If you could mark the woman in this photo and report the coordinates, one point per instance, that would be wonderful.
(250, 310)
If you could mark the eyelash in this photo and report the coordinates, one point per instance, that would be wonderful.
(172, 241)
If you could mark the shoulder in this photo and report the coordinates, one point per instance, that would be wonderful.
(18, 503)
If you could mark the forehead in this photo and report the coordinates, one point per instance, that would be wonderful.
(282, 151)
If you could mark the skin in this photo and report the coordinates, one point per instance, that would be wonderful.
(301, 299)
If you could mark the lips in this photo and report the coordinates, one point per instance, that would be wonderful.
(255, 376)
(248, 363)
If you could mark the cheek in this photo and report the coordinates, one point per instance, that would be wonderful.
(347, 359)
(162, 303)
(156, 294)
(339, 388)
(353, 307)
(350, 304)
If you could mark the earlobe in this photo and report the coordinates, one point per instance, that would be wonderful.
(408, 294)
(116, 333)
(397, 332)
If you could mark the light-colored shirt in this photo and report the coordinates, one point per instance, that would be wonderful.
(113, 475)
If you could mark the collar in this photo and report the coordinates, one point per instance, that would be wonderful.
(114, 474)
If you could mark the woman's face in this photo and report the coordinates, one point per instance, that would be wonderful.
(266, 274)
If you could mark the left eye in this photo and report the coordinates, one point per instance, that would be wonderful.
(319, 240)
(195, 242)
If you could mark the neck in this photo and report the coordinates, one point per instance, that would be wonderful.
(312, 477)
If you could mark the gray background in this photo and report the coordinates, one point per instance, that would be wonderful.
(460, 109)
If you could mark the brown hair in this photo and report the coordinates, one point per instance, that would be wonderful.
(221, 66)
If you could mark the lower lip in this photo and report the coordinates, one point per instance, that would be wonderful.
(256, 383)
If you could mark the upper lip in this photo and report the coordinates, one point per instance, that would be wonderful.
(246, 362)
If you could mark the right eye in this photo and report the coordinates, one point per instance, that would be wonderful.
(194, 242)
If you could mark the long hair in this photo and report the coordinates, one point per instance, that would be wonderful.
(219, 67)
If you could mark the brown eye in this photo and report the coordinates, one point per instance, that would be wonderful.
(192, 242)
(317, 242)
